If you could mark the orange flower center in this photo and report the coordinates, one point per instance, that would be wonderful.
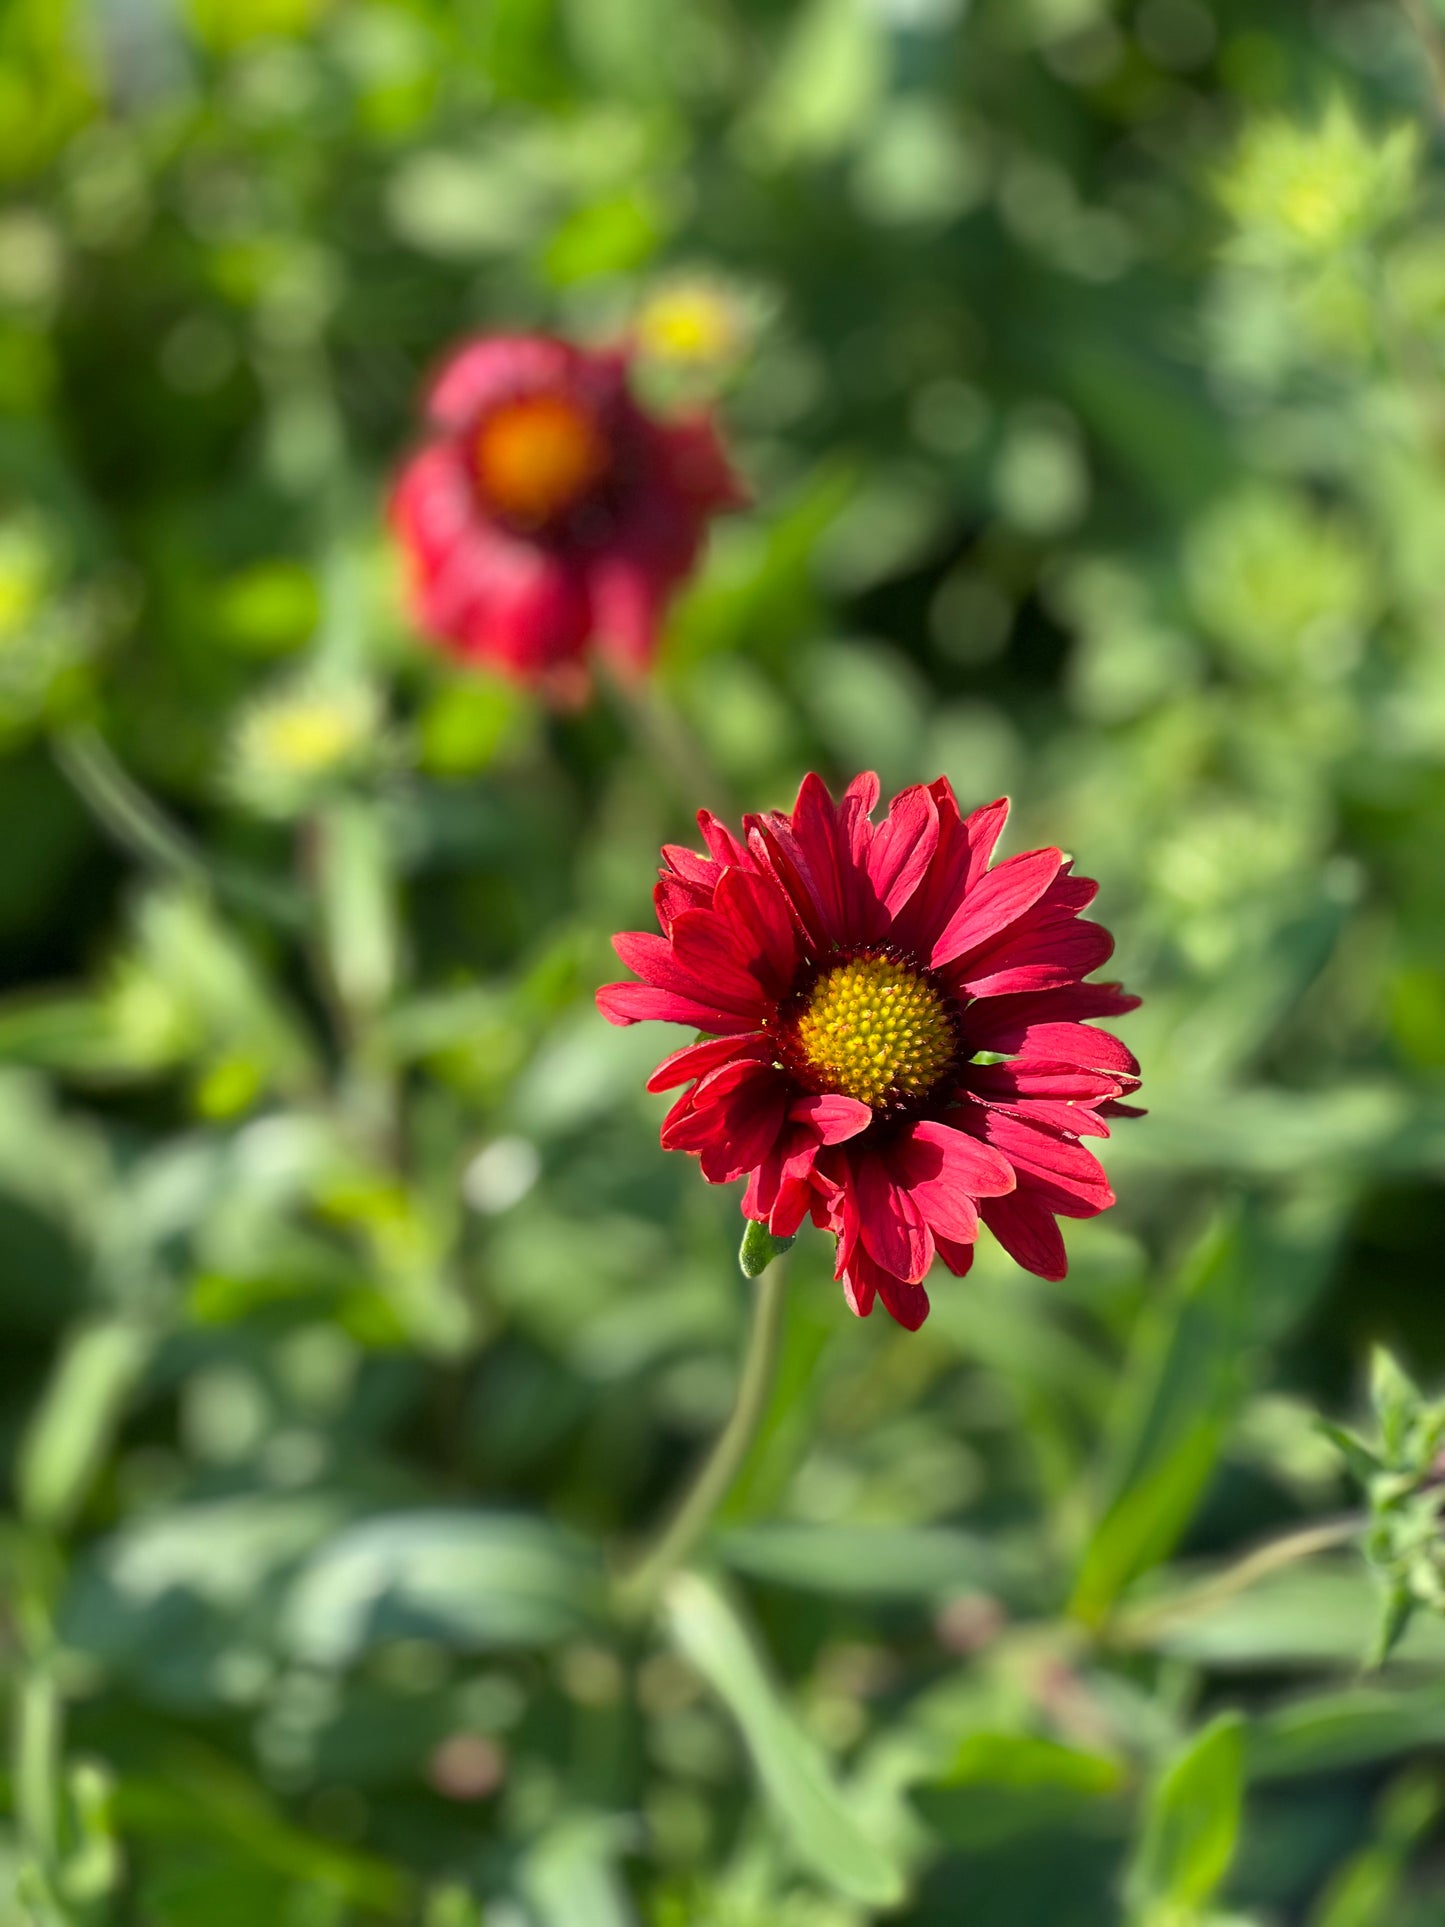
(875, 1030)
(537, 457)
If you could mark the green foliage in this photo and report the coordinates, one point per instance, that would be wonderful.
(1400, 1474)
(1084, 361)
(1191, 1826)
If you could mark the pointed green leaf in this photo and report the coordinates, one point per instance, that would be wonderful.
(1396, 1399)
(825, 1832)
(1396, 1610)
(1363, 1463)
(1192, 1823)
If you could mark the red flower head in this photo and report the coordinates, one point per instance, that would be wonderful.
(549, 510)
(896, 1038)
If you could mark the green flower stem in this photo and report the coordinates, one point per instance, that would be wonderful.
(131, 818)
(1432, 42)
(1139, 1627)
(641, 1586)
(138, 825)
(669, 742)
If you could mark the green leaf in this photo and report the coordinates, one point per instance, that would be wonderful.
(571, 1876)
(1353, 1727)
(1397, 1608)
(1396, 1399)
(1192, 1822)
(1362, 1462)
(759, 1248)
(471, 1581)
(1005, 1784)
(873, 1562)
(1293, 1621)
(1247, 1279)
(78, 1416)
(819, 1820)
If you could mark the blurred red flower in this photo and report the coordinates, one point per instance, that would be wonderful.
(548, 510)
(850, 976)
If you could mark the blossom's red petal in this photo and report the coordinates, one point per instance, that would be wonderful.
(960, 857)
(1001, 897)
(1057, 1043)
(958, 1257)
(902, 848)
(892, 1226)
(864, 790)
(1025, 1227)
(953, 1158)
(761, 932)
(831, 1117)
(672, 895)
(1070, 1003)
(1114, 1109)
(724, 846)
(1070, 1120)
(780, 1191)
(732, 1119)
(492, 369)
(814, 852)
(1037, 1077)
(696, 1060)
(629, 594)
(487, 593)
(701, 871)
(1058, 1170)
(695, 465)
(814, 846)
(982, 829)
(1047, 953)
(646, 1003)
(905, 1301)
(696, 963)
(942, 1173)
(859, 1289)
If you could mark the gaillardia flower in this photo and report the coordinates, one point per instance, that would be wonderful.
(896, 1038)
(549, 510)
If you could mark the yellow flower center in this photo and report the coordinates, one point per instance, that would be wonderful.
(875, 1030)
(537, 457)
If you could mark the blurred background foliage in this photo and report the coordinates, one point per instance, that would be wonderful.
(1085, 358)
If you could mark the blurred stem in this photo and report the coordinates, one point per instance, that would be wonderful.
(123, 808)
(37, 1732)
(351, 861)
(1137, 1628)
(137, 824)
(1431, 36)
(640, 1587)
(669, 742)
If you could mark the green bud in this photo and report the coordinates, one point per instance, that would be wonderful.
(759, 1248)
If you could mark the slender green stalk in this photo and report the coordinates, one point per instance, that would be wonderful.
(137, 824)
(1138, 1627)
(670, 743)
(1431, 35)
(124, 809)
(720, 1469)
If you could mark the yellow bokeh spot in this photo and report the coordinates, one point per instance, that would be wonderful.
(306, 737)
(693, 324)
(875, 1030)
(537, 457)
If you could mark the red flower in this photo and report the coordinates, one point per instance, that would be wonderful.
(549, 510)
(896, 1039)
